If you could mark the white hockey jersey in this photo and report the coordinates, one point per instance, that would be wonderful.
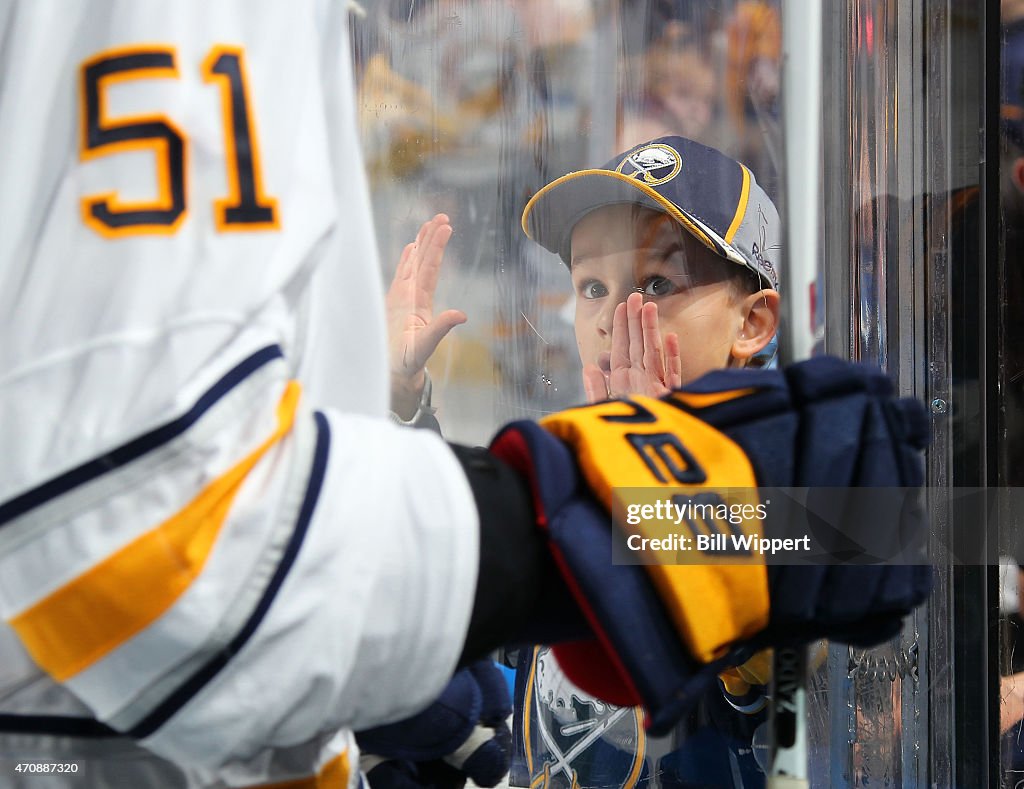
(216, 554)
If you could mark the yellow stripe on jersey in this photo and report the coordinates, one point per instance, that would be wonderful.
(650, 448)
(76, 625)
(526, 709)
(333, 775)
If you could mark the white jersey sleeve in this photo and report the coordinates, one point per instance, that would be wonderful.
(213, 544)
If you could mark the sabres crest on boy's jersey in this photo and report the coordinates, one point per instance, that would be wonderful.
(565, 738)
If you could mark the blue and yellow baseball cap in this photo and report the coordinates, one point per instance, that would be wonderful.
(714, 197)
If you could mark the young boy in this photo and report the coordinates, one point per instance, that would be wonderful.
(674, 253)
(680, 225)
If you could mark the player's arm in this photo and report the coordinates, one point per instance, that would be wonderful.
(521, 597)
(657, 640)
(359, 562)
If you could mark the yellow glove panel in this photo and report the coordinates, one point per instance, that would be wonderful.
(648, 443)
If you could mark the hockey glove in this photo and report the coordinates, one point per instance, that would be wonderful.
(664, 630)
(464, 734)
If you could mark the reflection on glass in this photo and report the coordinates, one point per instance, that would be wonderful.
(871, 710)
(1011, 387)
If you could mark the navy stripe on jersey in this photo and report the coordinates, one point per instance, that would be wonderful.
(137, 447)
(203, 676)
(55, 725)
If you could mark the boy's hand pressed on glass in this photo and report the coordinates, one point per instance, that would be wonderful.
(414, 332)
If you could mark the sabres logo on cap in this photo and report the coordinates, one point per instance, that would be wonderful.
(653, 164)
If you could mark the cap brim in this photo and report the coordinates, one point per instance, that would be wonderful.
(553, 211)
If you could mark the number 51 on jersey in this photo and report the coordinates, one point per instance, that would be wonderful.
(245, 207)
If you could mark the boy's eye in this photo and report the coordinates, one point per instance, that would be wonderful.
(592, 289)
(657, 286)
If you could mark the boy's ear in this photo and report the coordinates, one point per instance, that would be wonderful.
(760, 314)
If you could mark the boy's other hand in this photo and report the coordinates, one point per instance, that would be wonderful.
(414, 332)
(640, 363)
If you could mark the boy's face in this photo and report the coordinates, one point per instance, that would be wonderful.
(621, 249)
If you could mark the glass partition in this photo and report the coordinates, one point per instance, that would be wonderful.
(470, 107)
(909, 281)
(1009, 428)
(871, 710)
